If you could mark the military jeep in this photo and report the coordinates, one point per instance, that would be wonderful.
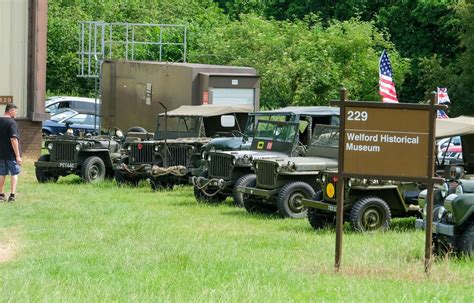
(175, 150)
(281, 183)
(369, 204)
(90, 157)
(222, 171)
(453, 211)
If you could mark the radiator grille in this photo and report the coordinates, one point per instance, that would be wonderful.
(266, 174)
(178, 155)
(141, 153)
(220, 166)
(63, 151)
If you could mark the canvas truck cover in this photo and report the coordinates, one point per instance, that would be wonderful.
(208, 110)
(459, 126)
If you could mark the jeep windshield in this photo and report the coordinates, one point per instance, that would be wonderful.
(254, 119)
(173, 127)
(276, 131)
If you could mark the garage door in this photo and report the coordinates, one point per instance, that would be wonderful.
(232, 96)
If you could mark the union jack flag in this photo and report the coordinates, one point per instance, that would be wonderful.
(443, 98)
(386, 84)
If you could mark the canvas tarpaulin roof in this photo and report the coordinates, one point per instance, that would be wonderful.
(209, 110)
(459, 126)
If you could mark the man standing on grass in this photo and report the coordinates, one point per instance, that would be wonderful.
(10, 159)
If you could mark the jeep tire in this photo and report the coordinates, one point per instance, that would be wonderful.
(93, 169)
(42, 175)
(466, 241)
(252, 205)
(289, 199)
(370, 214)
(122, 179)
(203, 198)
(317, 219)
(244, 181)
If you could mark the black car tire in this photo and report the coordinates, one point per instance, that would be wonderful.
(203, 198)
(370, 214)
(252, 205)
(244, 181)
(289, 199)
(41, 174)
(121, 179)
(317, 219)
(136, 129)
(93, 169)
(466, 242)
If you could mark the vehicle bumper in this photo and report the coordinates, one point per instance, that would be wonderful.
(56, 165)
(266, 193)
(319, 205)
(437, 227)
(139, 170)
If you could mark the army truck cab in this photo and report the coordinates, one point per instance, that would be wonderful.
(222, 171)
(281, 183)
(91, 157)
(175, 150)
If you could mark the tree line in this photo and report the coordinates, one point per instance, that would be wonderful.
(303, 50)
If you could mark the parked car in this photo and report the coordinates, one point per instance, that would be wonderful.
(56, 104)
(444, 143)
(451, 155)
(71, 119)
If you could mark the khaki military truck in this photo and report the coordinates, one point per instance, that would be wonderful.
(281, 183)
(175, 149)
(222, 171)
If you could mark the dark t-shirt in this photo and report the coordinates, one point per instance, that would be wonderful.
(8, 130)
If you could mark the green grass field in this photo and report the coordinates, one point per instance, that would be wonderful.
(80, 242)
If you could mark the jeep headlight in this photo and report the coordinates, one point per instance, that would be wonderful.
(129, 147)
(156, 148)
(277, 168)
(323, 178)
(349, 183)
(50, 146)
(444, 190)
(78, 147)
(209, 158)
(256, 165)
(459, 189)
(441, 212)
(204, 155)
(234, 161)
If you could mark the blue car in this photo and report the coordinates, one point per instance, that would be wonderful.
(71, 119)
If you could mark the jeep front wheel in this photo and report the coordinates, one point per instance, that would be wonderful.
(466, 242)
(122, 179)
(370, 214)
(244, 181)
(210, 196)
(317, 219)
(93, 169)
(289, 199)
(42, 175)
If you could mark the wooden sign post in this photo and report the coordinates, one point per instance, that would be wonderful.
(386, 141)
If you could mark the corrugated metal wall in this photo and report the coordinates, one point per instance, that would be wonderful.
(13, 52)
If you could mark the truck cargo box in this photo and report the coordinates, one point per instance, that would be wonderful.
(131, 90)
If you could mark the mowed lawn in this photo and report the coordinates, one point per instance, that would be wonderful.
(80, 242)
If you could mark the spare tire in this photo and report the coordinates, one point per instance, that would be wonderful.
(136, 129)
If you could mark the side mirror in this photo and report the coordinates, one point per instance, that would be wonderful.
(47, 110)
(227, 121)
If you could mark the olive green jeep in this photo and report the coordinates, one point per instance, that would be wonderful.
(221, 171)
(280, 184)
(175, 150)
(91, 157)
(369, 204)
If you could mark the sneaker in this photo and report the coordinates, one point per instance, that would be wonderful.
(2, 198)
(11, 198)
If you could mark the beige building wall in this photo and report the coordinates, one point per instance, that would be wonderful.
(14, 52)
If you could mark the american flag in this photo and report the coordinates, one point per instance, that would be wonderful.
(386, 84)
(443, 98)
